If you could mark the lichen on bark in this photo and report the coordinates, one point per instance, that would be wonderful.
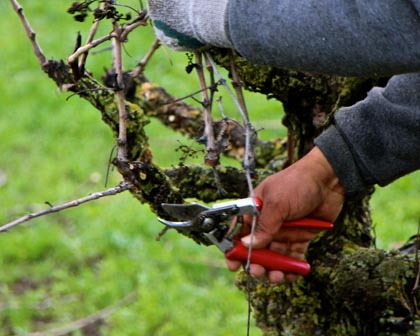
(354, 289)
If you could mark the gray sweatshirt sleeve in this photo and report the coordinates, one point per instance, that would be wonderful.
(342, 37)
(378, 139)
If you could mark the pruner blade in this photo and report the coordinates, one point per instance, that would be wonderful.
(213, 224)
(186, 225)
(201, 218)
(186, 212)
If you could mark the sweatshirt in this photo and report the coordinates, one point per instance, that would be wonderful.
(376, 140)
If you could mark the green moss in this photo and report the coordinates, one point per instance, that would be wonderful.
(350, 282)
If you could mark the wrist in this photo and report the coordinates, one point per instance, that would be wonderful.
(336, 151)
(324, 171)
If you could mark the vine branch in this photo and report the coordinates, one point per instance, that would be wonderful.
(212, 157)
(31, 34)
(120, 95)
(141, 20)
(89, 45)
(90, 37)
(142, 64)
(123, 186)
(91, 319)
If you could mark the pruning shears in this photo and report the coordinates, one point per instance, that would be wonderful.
(214, 224)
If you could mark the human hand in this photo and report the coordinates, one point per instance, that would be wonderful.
(308, 188)
(189, 24)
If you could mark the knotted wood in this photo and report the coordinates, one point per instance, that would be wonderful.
(354, 288)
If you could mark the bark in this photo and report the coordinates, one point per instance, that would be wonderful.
(354, 289)
(151, 184)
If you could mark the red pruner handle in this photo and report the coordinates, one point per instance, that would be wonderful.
(305, 222)
(258, 203)
(308, 223)
(268, 259)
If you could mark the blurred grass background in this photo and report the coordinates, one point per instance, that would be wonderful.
(69, 265)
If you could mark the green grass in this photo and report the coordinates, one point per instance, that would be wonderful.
(66, 266)
(396, 211)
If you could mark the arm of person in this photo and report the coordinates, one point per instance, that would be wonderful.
(340, 37)
(372, 142)
(308, 188)
(376, 140)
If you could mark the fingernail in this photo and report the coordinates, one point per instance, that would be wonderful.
(246, 240)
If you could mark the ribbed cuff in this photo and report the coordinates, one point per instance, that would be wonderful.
(339, 156)
(209, 19)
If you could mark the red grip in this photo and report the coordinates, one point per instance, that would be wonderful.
(305, 222)
(258, 203)
(308, 223)
(269, 259)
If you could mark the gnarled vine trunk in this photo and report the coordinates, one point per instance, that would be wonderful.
(354, 289)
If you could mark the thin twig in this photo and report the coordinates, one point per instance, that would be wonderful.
(249, 130)
(129, 28)
(222, 81)
(218, 142)
(213, 84)
(84, 49)
(221, 108)
(249, 166)
(142, 64)
(120, 95)
(191, 95)
(237, 85)
(89, 320)
(89, 39)
(110, 192)
(212, 157)
(248, 159)
(31, 34)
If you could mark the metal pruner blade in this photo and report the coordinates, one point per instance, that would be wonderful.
(199, 217)
(186, 213)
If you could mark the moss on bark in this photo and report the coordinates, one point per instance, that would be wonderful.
(354, 289)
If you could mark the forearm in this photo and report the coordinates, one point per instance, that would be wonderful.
(378, 139)
(370, 38)
(341, 37)
(374, 141)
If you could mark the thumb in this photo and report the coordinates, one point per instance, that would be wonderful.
(259, 240)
